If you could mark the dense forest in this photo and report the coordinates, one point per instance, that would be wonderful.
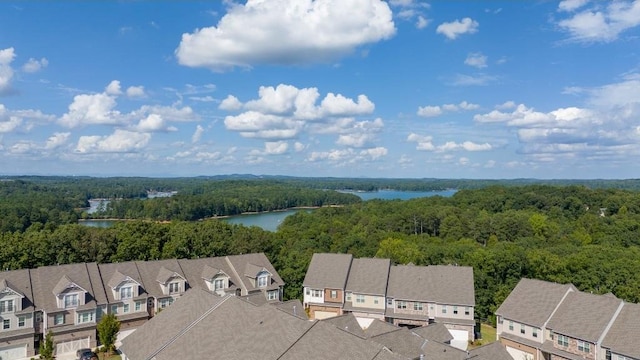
(586, 233)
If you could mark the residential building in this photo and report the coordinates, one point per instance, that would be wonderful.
(366, 289)
(621, 341)
(324, 284)
(17, 315)
(69, 300)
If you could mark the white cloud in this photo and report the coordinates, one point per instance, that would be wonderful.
(355, 140)
(432, 111)
(169, 113)
(375, 153)
(422, 22)
(348, 156)
(113, 88)
(121, 141)
(339, 105)
(91, 109)
(135, 91)
(275, 147)
(197, 135)
(286, 32)
(458, 27)
(35, 65)
(298, 146)
(153, 123)
(473, 80)
(425, 143)
(429, 111)
(10, 125)
(230, 103)
(602, 22)
(6, 72)
(571, 5)
(476, 60)
(56, 140)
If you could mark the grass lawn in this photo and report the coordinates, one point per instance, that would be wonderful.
(102, 356)
(488, 336)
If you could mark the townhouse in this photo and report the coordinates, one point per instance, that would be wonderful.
(69, 300)
(403, 295)
(543, 320)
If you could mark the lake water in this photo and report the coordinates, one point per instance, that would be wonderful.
(271, 220)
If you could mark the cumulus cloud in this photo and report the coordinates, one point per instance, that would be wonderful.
(113, 88)
(458, 27)
(437, 110)
(473, 80)
(197, 135)
(10, 124)
(230, 103)
(601, 22)
(476, 60)
(96, 109)
(286, 32)
(153, 123)
(121, 141)
(409, 10)
(35, 65)
(6, 71)
(348, 156)
(275, 147)
(425, 143)
(56, 140)
(135, 91)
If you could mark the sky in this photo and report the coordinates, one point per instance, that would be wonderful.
(317, 88)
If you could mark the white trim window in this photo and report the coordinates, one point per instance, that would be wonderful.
(174, 287)
(316, 293)
(562, 340)
(114, 309)
(218, 284)
(6, 306)
(401, 304)
(163, 303)
(262, 280)
(6, 324)
(347, 297)
(272, 295)
(138, 305)
(86, 317)
(71, 301)
(125, 308)
(58, 319)
(22, 321)
(126, 292)
(334, 294)
(444, 309)
(417, 306)
(584, 346)
(359, 299)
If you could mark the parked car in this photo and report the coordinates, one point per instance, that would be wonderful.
(85, 354)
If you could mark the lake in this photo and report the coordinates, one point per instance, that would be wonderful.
(269, 221)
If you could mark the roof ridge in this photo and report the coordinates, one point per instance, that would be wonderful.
(187, 328)
(233, 268)
(298, 339)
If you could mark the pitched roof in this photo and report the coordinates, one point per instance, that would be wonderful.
(164, 275)
(6, 286)
(368, 276)
(378, 327)
(403, 342)
(622, 337)
(434, 332)
(196, 271)
(435, 283)
(240, 262)
(533, 301)
(18, 281)
(491, 351)
(328, 271)
(434, 350)
(50, 280)
(116, 273)
(292, 307)
(584, 316)
(348, 323)
(150, 271)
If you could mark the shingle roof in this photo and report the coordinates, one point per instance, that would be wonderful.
(164, 275)
(403, 342)
(150, 270)
(292, 307)
(18, 281)
(368, 276)
(328, 271)
(240, 262)
(116, 273)
(533, 301)
(46, 278)
(7, 286)
(584, 316)
(434, 332)
(378, 327)
(435, 283)
(622, 337)
(348, 323)
(434, 350)
(491, 351)
(197, 270)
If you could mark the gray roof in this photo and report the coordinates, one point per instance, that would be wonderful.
(533, 301)
(46, 278)
(491, 351)
(378, 327)
(197, 270)
(622, 337)
(584, 316)
(434, 332)
(368, 276)
(116, 273)
(403, 342)
(18, 281)
(328, 271)
(240, 262)
(150, 272)
(348, 323)
(292, 307)
(435, 283)
(434, 350)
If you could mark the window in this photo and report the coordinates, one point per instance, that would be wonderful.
(389, 302)
(218, 284)
(114, 309)
(71, 300)
(165, 302)
(511, 325)
(375, 300)
(272, 295)
(348, 297)
(85, 317)
(584, 346)
(455, 310)
(125, 308)
(359, 299)
(174, 287)
(334, 294)
(316, 293)
(401, 304)
(534, 332)
(6, 306)
(444, 309)
(6, 324)
(521, 329)
(21, 321)
(262, 280)
(58, 319)
(467, 311)
(563, 340)
(126, 293)
(138, 305)
(417, 306)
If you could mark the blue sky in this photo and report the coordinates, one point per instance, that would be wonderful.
(345, 88)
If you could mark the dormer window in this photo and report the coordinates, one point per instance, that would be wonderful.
(219, 284)
(6, 306)
(126, 293)
(262, 279)
(71, 300)
(174, 287)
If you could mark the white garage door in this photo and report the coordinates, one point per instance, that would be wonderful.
(121, 335)
(460, 339)
(324, 314)
(517, 354)
(13, 352)
(70, 347)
